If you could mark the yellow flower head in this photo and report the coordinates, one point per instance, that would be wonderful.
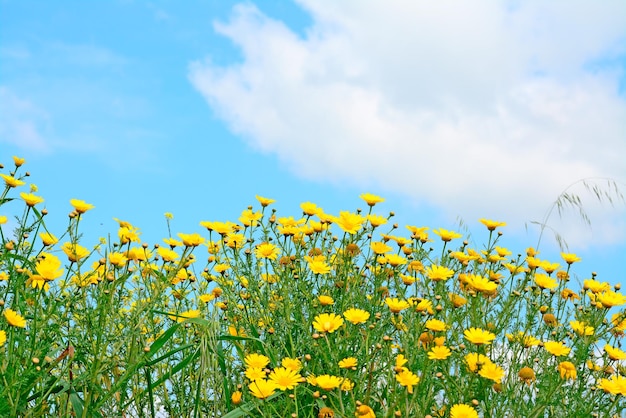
(80, 206)
(255, 360)
(356, 316)
(556, 348)
(397, 305)
(479, 336)
(30, 199)
(439, 353)
(191, 240)
(476, 361)
(327, 322)
(328, 382)
(262, 388)
(348, 363)
(380, 247)
(350, 222)
(285, 378)
(463, 411)
(491, 225)
(14, 319)
(292, 364)
(609, 299)
(407, 379)
(439, 273)
(614, 353)
(11, 181)
(310, 209)
(436, 325)
(567, 370)
(364, 411)
(545, 282)
(264, 201)
(325, 300)
(446, 235)
(371, 199)
(570, 258)
(74, 252)
(492, 371)
(581, 328)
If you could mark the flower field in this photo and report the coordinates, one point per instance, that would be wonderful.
(303, 315)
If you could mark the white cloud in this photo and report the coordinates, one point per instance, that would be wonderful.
(22, 123)
(480, 108)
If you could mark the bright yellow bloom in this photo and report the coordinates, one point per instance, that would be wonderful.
(556, 348)
(609, 299)
(395, 260)
(310, 209)
(376, 220)
(348, 363)
(264, 201)
(222, 228)
(346, 385)
(380, 247)
(3, 276)
(18, 161)
(479, 336)
(235, 398)
(129, 233)
(476, 361)
(30, 199)
(255, 373)
(74, 252)
(619, 321)
(356, 316)
(581, 328)
(371, 199)
(285, 378)
(446, 235)
(191, 240)
(328, 382)
(425, 305)
(407, 379)
(48, 239)
(567, 370)
(502, 252)
(180, 317)
(364, 411)
(14, 319)
(81, 206)
(396, 305)
(492, 371)
(436, 325)
(11, 181)
(463, 411)
(249, 218)
(548, 267)
(570, 258)
(595, 286)
(262, 388)
(255, 360)
(616, 384)
(327, 322)
(325, 300)
(292, 364)
(545, 282)
(439, 273)
(350, 222)
(439, 353)
(491, 225)
(526, 340)
(167, 255)
(3, 337)
(267, 250)
(317, 264)
(614, 353)
(457, 300)
(117, 259)
(3, 219)
(526, 374)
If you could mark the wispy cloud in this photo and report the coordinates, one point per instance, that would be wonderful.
(22, 123)
(482, 109)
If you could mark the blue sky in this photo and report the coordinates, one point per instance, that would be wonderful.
(479, 109)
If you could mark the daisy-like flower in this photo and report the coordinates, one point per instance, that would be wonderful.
(567, 370)
(267, 250)
(292, 364)
(435, 325)
(30, 199)
(581, 328)
(364, 411)
(48, 239)
(595, 286)
(328, 382)
(356, 316)
(264, 201)
(614, 353)
(481, 284)
(397, 305)
(476, 361)
(262, 388)
(438, 273)
(348, 363)
(255, 360)
(526, 374)
(318, 264)
(491, 225)
(479, 336)
(614, 385)
(350, 222)
(556, 348)
(310, 209)
(285, 378)
(376, 220)
(74, 252)
(380, 247)
(3, 337)
(117, 259)
(18, 161)
(446, 235)
(167, 255)
(371, 199)
(81, 206)
(11, 181)
(326, 412)
(570, 258)
(457, 300)
(191, 240)
(407, 379)
(461, 410)
(325, 300)
(180, 317)
(545, 282)
(14, 319)
(492, 371)
(327, 322)
(439, 353)
(249, 218)
(609, 299)
(255, 373)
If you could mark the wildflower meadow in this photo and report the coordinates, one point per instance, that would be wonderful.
(308, 314)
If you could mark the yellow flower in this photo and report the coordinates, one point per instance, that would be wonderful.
(328, 382)
(117, 259)
(348, 363)
(376, 220)
(350, 222)
(457, 300)
(235, 397)
(545, 282)
(264, 201)
(222, 228)
(479, 336)
(439, 273)
(191, 240)
(491, 225)
(395, 260)
(595, 286)
(18, 161)
(481, 284)
(255, 360)
(262, 388)
(407, 379)
(581, 328)
(180, 317)
(30, 199)
(364, 411)
(14, 319)
(548, 267)
(325, 300)
(439, 353)
(614, 353)
(327, 322)
(567, 370)
(396, 305)
(166, 254)
(317, 264)
(435, 325)
(285, 378)
(11, 181)
(609, 299)
(255, 373)
(556, 348)
(380, 247)
(616, 384)
(347, 385)
(492, 371)
(3, 337)
(476, 361)
(463, 411)
(249, 218)
(326, 412)
(371, 199)
(3, 219)
(570, 258)
(81, 206)
(446, 235)
(267, 250)
(292, 364)
(74, 252)
(310, 209)
(48, 239)
(526, 374)
(356, 316)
